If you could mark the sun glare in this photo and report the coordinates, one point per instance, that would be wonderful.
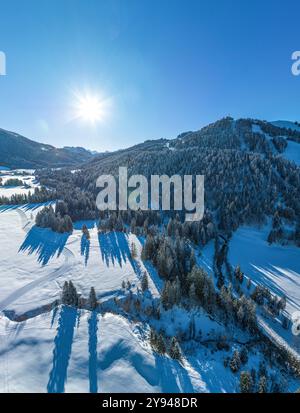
(91, 108)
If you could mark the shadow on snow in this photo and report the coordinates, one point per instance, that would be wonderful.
(62, 350)
(85, 248)
(45, 243)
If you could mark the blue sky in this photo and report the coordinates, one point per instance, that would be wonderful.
(166, 66)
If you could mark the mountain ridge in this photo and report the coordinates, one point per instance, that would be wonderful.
(18, 151)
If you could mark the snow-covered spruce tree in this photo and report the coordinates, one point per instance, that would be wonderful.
(239, 274)
(262, 385)
(65, 299)
(160, 344)
(235, 362)
(174, 350)
(144, 282)
(148, 248)
(157, 342)
(133, 251)
(246, 384)
(92, 301)
(73, 294)
(69, 294)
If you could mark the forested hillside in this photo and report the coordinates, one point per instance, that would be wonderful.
(247, 175)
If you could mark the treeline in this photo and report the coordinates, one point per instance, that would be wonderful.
(39, 195)
(244, 176)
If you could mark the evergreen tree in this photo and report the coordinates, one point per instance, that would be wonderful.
(235, 362)
(92, 302)
(145, 284)
(262, 385)
(133, 251)
(174, 350)
(246, 382)
(161, 347)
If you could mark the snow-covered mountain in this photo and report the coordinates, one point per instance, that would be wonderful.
(287, 124)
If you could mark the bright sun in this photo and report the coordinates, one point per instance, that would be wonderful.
(90, 108)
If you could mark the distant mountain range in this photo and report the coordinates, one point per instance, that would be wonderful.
(16, 151)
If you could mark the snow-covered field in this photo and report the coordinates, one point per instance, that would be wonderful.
(275, 266)
(24, 175)
(37, 262)
(69, 350)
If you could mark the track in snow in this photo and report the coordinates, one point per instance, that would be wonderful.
(68, 257)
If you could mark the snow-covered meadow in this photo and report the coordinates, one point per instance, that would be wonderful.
(68, 350)
(274, 266)
(25, 175)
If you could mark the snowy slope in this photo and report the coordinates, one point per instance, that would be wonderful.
(69, 350)
(275, 266)
(286, 124)
(37, 261)
(292, 151)
(76, 351)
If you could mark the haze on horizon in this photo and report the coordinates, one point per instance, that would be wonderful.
(163, 67)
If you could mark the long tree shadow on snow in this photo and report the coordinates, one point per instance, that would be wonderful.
(165, 373)
(45, 243)
(93, 328)
(85, 248)
(114, 248)
(172, 377)
(62, 350)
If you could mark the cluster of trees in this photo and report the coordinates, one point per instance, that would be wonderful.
(58, 220)
(39, 195)
(12, 182)
(69, 294)
(71, 297)
(163, 345)
(261, 382)
(275, 131)
(175, 262)
(262, 296)
(173, 257)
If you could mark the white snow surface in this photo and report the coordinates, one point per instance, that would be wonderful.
(69, 350)
(29, 180)
(37, 261)
(275, 266)
(286, 124)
